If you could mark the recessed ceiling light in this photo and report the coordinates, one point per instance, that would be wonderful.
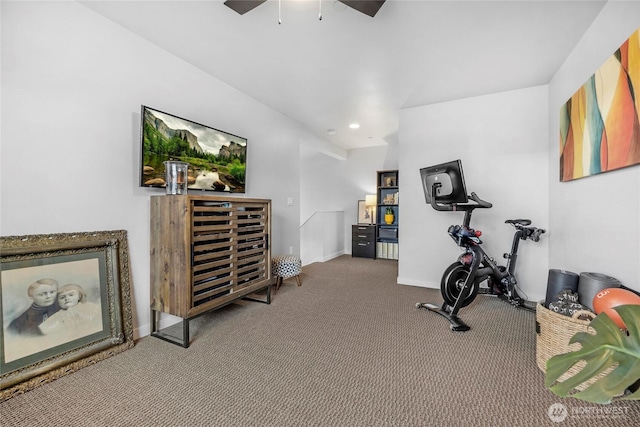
(331, 131)
(354, 126)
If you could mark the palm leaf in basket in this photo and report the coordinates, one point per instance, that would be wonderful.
(609, 347)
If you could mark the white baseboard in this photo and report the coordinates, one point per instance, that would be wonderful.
(323, 258)
(166, 320)
(332, 256)
(420, 283)
(141, 331)
(433, 285)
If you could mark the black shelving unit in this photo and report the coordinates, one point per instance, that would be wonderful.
(388, 200)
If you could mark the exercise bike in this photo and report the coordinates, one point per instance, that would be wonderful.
(460, 283)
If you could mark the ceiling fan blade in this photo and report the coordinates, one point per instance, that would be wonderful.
(368, 7)
(243, 6)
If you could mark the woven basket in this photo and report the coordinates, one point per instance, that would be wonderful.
(554, 332)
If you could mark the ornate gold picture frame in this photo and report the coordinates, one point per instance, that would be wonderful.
(65, 302)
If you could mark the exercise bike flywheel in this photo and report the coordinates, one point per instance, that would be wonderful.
(452, 283)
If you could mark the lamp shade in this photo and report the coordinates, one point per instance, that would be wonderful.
(370, 200)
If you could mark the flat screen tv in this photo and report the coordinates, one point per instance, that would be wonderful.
(452, 189)
(217, 160)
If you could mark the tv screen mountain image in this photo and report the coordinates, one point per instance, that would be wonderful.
(217, 160)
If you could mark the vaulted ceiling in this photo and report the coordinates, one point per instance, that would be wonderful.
(352, 68)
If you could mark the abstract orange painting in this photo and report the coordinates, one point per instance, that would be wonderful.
(600, 124)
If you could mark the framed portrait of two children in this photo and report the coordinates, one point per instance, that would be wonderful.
(65, 302)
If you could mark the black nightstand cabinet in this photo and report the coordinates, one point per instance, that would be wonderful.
(363, 241)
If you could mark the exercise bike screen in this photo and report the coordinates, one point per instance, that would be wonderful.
(452, 188)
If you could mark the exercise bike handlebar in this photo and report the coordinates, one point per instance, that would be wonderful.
(477, 202)
(526, 232)
(534, 233)
(481, 203)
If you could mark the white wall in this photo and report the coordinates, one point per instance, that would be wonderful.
(72, 85)
(361, 168)
(595, 220)
(322, 179)
(322, 237)
(502, 142)
(331, 184)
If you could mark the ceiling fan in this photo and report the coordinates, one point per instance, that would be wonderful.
(368, 7)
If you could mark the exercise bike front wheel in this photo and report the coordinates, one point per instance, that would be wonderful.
(452, 283)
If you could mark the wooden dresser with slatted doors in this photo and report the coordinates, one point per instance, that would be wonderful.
(206, 252)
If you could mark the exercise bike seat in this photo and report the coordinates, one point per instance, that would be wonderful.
(523, 222)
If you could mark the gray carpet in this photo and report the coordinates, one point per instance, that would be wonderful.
(348, 348)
